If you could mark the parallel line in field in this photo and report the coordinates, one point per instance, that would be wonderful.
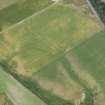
(68, 50)
(28, 18)
(10, 81)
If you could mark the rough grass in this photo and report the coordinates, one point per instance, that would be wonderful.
(51, 32)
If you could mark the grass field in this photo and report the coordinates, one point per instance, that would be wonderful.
(19, 11)
(49, 33)
(91, 56)
(90, 59)
(84, 65)
(81, 5)
(56, 79)
(38, 48)
(22, 96)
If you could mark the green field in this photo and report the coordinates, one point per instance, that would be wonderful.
(47, 34)
(90, 55)
(22, 96)
(52, 50)
(84, 65)
(20, 10)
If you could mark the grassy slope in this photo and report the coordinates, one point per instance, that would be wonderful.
(16, 92)
(51, 32)
(20, 10)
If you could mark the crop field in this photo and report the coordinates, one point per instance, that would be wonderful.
(4, 100)
(81, 5)
(60, 79)
(51, 54)
(90, 57)
(20, 10)
(23, 96)
(89, 52)
(55, 30)
(81, 67)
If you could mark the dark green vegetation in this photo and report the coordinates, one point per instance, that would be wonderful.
(20, 10)
(99, 6)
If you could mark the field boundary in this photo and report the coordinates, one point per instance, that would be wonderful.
(60, 54)
(28, 18)
(95, 13)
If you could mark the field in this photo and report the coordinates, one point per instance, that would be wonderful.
(55, 31)
(89, 57)
(82, 6)
(20, 10)
(48, 50)
(4, 100)
(22, 96)
(84, 65)
(6, 3)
